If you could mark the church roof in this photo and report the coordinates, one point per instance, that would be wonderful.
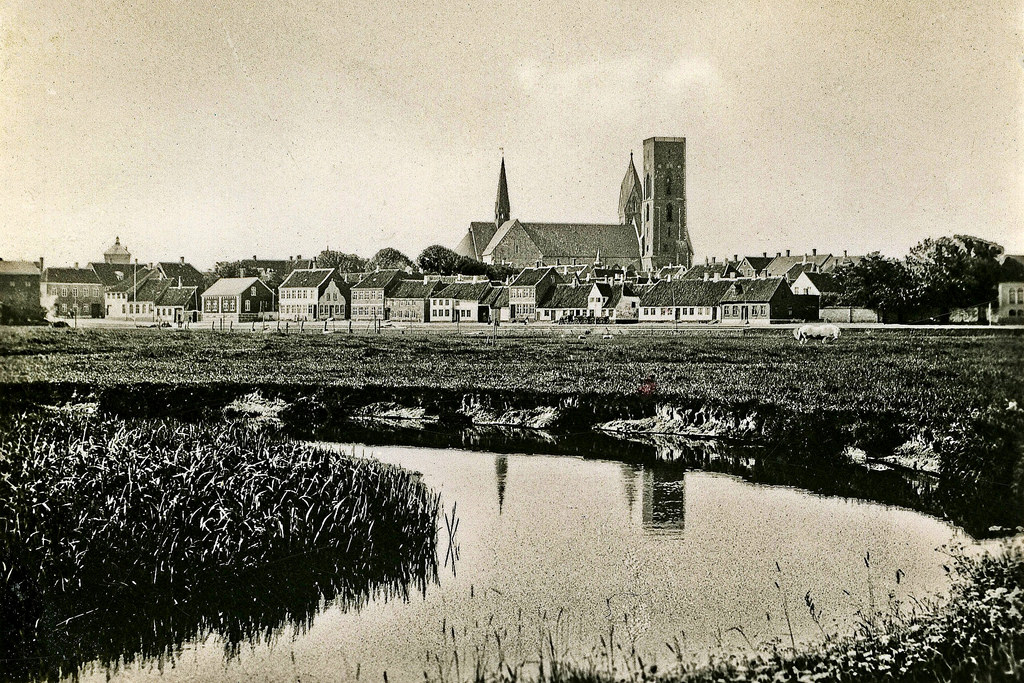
(575, 240)
(476, 240)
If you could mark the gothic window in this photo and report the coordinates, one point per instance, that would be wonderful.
(648, 212)
(668, 183)
(668, 212)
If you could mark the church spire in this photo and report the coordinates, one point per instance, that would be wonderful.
(630, 196)
(501, 205)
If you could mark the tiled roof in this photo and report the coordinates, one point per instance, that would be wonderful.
(710, 269)
(186, 273)
(413, 289)
(531, 276)
(231, 286)
(379, 279)
(179, 296)
(753, 289)
(152, 289)
(685, 292)
(498, 298)
(108, 272)
(71, 275)
(758, 263)
(133, 281)
(584, 240)
(567, 296)
(18, 268)
(1012, 268)
(307, 278)
(476, 239)
(781, 265)
(465, 291)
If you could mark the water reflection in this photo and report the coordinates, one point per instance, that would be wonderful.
(501, 477)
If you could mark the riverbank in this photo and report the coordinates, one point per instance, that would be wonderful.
(945, 402)
(102, 515)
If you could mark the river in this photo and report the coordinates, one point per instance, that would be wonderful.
(574, 551)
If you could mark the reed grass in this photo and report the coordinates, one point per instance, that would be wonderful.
(97, 514)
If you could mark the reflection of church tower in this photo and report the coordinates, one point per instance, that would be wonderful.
(502, 209)
(630, 199)
(629, 473)
(664, 499)
(501, 474)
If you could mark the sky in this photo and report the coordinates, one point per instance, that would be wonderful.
(223, 129)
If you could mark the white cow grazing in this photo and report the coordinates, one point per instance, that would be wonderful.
(804, 333)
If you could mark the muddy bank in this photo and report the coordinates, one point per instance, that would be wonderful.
(967, 476)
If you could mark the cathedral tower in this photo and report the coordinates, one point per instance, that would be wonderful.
(664, 239)
(501, 205)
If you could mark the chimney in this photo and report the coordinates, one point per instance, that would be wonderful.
(764, 254)
(41, 262)
(787, 252)
(299, 257)
(844, 255)
(706, 260)
(76, 265)
(717, 276)
(254, 257)
(814, 252)
(713, 259)
(732, 275)
(805, 258)
(705, 276)
(735, 257)
(778, 254)
(182, 260)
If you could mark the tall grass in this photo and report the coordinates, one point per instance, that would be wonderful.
(228, 528)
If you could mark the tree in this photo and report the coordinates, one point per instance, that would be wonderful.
(389, 258)
(439, 259)
(955, 272)
(876, 282)
(346, 263)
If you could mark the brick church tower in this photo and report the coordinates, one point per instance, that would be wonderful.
(664, 238)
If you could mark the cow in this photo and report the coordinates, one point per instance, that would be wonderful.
(804, 333)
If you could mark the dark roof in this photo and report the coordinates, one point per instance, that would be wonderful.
(1012, 268)
(699, 271)
(133, 281)
(413, 289)
(825, 282)
(531, 276)
(465, 291)
(567, 296)
(684, 292)
(179, 296)
(152, 289)
(108, 272)
(307, 278)
(630, 185)
(758, 263)
(379, 279)
(583, 240)
(753, 289)
(498, 298)
(18, 268)
(476, 239)
(71, 275)
(186, 273)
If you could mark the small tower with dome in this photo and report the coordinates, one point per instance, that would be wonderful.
(117, 253)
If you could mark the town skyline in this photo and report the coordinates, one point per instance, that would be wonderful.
(220, 133)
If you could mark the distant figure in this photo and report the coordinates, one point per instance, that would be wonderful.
(804, 333)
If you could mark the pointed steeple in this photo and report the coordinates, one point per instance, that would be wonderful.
(502, 210)
(630, 196)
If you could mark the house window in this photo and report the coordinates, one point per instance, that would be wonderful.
(248, 305)
(1013, 296)
(63, 291)
(252, 291)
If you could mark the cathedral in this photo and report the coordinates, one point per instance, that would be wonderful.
(651, 231)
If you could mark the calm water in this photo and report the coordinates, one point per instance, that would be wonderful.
(581, 549)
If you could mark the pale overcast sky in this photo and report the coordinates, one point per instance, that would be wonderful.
(219, 129)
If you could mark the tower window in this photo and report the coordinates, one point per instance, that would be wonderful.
(668, 183)
(647, 187)
(668, 212)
